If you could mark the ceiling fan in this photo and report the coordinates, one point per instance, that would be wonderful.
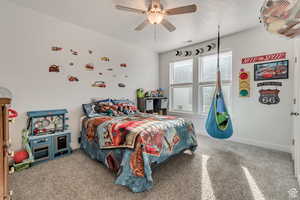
(156, 14)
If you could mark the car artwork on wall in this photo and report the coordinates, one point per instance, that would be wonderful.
(271, 70)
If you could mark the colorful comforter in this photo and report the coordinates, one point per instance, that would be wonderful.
(130, 145)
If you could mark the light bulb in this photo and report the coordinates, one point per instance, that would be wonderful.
(155, 16)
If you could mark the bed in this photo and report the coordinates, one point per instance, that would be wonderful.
(131, 145)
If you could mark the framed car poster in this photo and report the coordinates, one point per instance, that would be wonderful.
(271, 70)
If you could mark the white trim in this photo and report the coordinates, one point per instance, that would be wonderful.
(276, 147)
(189, 115)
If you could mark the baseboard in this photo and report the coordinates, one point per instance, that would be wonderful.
(276, 147)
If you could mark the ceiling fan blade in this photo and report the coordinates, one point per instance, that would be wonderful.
(128, 9)
(182, 10)
(170, 27)
(142, 25)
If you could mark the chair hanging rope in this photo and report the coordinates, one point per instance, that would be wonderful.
(218, 123)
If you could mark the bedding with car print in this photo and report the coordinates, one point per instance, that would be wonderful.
(129, 145)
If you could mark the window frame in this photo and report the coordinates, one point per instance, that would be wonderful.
(180, 85)
(197, 100)
(202, 84)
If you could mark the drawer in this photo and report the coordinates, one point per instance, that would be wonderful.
(149, 105)
(164, 103)
(40, 141)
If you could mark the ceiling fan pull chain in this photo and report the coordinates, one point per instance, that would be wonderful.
(155, 32)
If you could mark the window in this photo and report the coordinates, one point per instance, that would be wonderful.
(181, 86)
(207, 79)
(206, 92)
(192, 93)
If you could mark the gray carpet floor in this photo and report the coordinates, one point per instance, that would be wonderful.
(219, 170)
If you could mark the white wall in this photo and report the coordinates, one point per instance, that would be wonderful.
(26, 39)
(254, 123)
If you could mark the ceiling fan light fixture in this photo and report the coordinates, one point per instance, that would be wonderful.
(155, 16)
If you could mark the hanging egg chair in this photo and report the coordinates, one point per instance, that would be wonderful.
(281, 17)
(218, 124)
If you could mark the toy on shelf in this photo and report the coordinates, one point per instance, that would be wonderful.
(152, 101)
(140, 93)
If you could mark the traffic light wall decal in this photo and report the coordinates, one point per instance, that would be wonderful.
(244, 83)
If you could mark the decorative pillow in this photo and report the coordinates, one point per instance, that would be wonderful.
(118, 101)
(127, 107)
(99, 99)
(98, 108)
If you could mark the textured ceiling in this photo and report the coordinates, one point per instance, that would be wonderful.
(102, 17)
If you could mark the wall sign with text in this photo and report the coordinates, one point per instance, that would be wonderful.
(264, 58)
(269, 96)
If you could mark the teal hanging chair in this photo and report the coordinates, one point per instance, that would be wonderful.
(218, 123)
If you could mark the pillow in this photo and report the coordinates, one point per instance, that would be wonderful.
(94, 109)
(119, 101)
(99, 99)
(126, 107)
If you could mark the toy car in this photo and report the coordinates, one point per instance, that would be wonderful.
(56, 48)
(75, 53)
(89, 67)
(122, 85)
(54, 68)
(73, 79)
(106, 59)
(100, 84)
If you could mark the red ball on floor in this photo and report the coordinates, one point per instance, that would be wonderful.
(20, 156)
